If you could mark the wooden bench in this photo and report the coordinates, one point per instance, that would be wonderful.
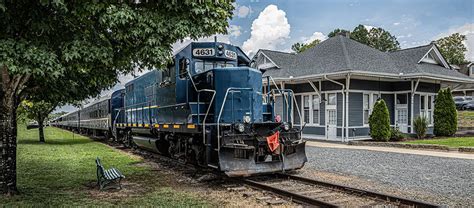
(108, 176)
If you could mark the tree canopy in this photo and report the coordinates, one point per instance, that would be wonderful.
(453, 48)
(70, 50)
(376, 37)
(300, 47)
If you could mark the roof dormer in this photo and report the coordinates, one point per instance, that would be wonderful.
(433, 56)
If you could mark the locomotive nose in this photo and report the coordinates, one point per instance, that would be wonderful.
(238, 95)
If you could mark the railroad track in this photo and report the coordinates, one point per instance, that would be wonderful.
(323, 194)
(298, 189)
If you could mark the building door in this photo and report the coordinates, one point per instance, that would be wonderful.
(331, 117)
(402, 119)
(401, 112)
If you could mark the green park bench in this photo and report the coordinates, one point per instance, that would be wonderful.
(108, 176)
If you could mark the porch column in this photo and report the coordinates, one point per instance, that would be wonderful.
(348, 84)
(412, 103)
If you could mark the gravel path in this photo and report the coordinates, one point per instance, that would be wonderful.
(450, 179)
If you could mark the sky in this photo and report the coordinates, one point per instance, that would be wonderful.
(277, 24)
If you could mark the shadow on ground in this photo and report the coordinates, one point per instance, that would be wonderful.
(56, 142)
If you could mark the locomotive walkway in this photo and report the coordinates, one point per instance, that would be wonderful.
(394, 150)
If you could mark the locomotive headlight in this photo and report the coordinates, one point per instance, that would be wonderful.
(239, 127)
(286, 126)
(246, 119)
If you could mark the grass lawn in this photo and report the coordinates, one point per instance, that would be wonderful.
(451, 142)
(63, 172)
(465, 118)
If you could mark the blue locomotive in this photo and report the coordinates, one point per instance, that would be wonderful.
(207, 108)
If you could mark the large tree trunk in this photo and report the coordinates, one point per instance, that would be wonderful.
(41, 130)
(8, 133)
(11, 88)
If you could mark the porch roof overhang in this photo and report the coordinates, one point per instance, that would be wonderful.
(378, 75)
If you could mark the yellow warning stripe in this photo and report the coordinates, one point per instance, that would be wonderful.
(165, 126)
(176, 126)
(157, 126)
(191, 126)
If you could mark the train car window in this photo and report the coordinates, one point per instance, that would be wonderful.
(183, 68)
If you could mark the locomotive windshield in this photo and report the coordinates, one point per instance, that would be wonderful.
(202, 66)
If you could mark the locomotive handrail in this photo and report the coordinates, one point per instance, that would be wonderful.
(294, 100)
(208, 108)
(220, 113)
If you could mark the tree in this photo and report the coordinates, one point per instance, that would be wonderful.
(70, 50)
(361, 35)
(337, 31)
(452, 48)
(38, 111)
(300, 47)
(379, 122)
(376, 38)
(445, 114)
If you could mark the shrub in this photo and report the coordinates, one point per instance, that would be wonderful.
(379, 122)
(421, 126)
(445, 114)
(396, 135)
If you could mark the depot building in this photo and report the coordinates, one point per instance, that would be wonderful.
(337, 82)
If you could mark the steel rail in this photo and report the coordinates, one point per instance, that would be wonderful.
(378, 195)
(294, 196)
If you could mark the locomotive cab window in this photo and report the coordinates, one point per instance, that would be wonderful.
(202, 66)
(183, 68)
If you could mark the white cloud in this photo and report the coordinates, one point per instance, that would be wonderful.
(234, 30)
(396, 23)
(468, 31)
(316, 35)
(269, 30)
(243, 11)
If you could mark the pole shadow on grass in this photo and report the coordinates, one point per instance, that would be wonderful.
(55, 141)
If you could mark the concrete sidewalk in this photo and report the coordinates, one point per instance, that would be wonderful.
(394, 150)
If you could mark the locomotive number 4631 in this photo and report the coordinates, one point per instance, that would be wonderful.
(203, 52)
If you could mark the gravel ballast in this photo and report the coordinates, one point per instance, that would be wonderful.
(448, 181)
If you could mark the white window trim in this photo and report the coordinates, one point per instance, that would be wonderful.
(371, 106)
(311, 116)
(426, 110)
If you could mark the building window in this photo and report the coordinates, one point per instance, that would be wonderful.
(310, 108)
(369, 101)
(315, 109)
(366, 108)
(471, 71)
(402, 99)
(426, 107)
(306, 108)
(332, 99)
